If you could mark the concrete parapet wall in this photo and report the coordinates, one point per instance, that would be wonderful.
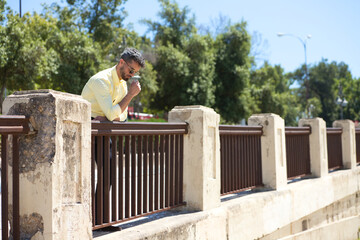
(255, 216)
(55, 176)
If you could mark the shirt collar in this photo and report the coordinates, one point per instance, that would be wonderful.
(116, 80)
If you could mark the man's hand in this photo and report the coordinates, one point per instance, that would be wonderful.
(134, 89)
(101, 118)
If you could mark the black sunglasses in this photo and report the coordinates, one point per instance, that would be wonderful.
(132, 71)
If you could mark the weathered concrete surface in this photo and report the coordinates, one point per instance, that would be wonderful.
(318, 146)
(55, 180)
(348, 142)
(273, 150)
(202, 163)
(310, 207)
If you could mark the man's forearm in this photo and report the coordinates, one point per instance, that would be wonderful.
(125, 102)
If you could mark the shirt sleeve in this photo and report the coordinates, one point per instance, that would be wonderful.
(101, 90)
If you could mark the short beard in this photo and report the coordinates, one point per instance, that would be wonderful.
(122, 74)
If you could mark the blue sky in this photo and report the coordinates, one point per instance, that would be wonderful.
(333, 25)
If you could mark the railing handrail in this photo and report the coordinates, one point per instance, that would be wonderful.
(334, 130)
(137, 128)
(298, 130)
(240, 130)
(14, 124)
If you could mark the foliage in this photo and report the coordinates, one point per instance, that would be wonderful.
(24, 59)
(176, 26)
(232, 96)
(324, 84)
(184, 60)
(271, 90)
(66, 44)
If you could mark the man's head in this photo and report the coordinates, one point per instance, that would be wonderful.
(130, 63)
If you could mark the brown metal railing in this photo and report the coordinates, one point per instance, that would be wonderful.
(334, 147)
(139, 169)
(297, 151)
(357, 139)
(10, 129)
(240, 151)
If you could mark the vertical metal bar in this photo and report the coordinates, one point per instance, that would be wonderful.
(100, 190)
(156, 151)
(176, 188)
(357, 134)
(227, 166)
(4, 188)
(106, 179)
(133, 175)
(121, 177)
(16, 188)
(139, 174)
(127, 176)
(254, 159)
(260, 179)
(237, 156)
(113, 178)
(167, 172)
(230, 166)
(93, 179)
(233, 167)
(145, 174)
(251, 169)
(181, 168)
(230, 163)
(308, 153)
(246, 167)
(241, 149)
(162, 185)
(256, 156)
(171, 172)
(222, 164)
(151, 173)
(226, 142)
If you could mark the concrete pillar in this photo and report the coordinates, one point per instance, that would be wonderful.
(201, 156)
(273, 155)
(348, 142)
(55, 165)
(318, 146)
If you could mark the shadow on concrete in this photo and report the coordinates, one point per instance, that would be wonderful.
(142, 220)
(232, 196)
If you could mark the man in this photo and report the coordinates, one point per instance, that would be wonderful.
(107, 90)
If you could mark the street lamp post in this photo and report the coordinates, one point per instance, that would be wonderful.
(20, 7)
(303, 42)
(341, 101)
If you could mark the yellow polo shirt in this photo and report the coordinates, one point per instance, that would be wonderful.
(104, 91)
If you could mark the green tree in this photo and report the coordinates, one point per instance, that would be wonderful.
(25, 61)
(232, 96)
(78, 56)
(98, 17)
(352, 94)
(271, 90)
(176, 25)
(184, 60)
(323, 85)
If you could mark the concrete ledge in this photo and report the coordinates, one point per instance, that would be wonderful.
(343, 229)
(256, 215)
